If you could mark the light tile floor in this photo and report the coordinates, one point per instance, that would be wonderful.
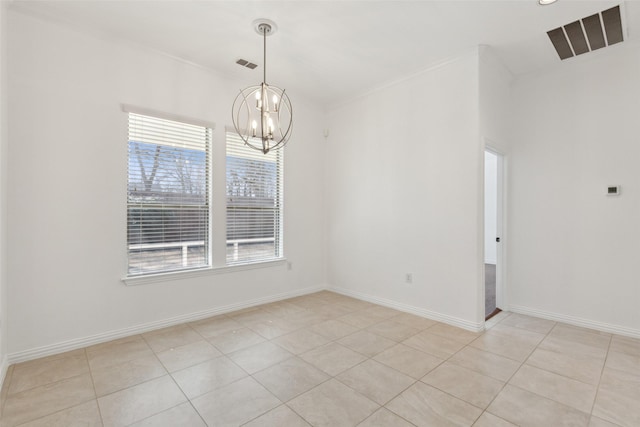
(329, 360)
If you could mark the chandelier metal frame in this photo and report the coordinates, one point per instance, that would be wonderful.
(264, 124)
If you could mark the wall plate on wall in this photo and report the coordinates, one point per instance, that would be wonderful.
(613, 190)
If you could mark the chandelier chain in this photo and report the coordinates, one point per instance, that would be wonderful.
(264, 54)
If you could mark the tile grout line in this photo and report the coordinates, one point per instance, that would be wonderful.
(53, 383)
(449, 394)
(5, 396)
(505, 383)
(187, 401)
(436, 367)
(62, 409)
(371, 359)
(561, 375)
(498, 354)
(300, 415)
(334, 377)
(604, 365)
(330, 377)
(93, 383)
(167, 373)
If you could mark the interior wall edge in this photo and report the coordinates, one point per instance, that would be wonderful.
(4, 367)
(61, 347)
(576, 321)
(433, 315)
(4, 144)
(473, 52)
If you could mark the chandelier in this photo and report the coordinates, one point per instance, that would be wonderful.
(262, 114)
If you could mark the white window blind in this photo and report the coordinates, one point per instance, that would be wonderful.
(168, 195)
(254, 203)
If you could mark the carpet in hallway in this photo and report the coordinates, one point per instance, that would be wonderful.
(489, 289)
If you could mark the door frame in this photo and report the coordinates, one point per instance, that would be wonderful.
(501, 229)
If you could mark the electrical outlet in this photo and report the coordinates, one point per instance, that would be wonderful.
(289, 265)
(408, 278)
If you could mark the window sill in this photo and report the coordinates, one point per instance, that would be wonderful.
(208, 271)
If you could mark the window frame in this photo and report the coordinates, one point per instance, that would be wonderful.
(217, 261)
(208, 128)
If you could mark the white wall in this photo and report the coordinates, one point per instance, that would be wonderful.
(573, 250)
(490, 207)
(495, 101)
(67, 189)
(404, 184)
(4, 140)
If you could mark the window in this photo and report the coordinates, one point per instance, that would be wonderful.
(168, 195)
(254, 203)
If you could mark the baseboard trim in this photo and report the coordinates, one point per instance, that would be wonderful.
(576, 321)
(74, 344)
(433, 315)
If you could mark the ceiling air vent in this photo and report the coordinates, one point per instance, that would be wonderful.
(588, 34)
(246, 63)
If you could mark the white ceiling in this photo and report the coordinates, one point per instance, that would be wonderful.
(333, 50)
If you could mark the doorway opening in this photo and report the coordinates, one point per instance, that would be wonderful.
(493, 163)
